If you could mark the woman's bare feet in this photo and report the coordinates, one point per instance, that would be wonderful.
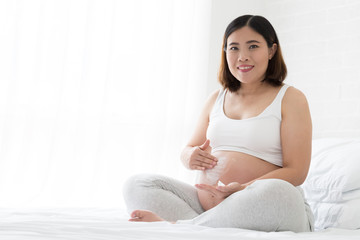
(144, 216)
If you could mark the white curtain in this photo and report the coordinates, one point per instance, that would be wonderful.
(92, 92)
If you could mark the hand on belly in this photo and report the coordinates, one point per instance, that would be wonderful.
(211, 176)
(231, 167)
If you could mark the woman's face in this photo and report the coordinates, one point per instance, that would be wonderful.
(248, 55)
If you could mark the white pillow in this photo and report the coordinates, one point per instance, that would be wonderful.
(336, 215)
(334, 168)
(332, 187)
(329, 196)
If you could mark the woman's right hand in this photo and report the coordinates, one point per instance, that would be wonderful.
(200, 157)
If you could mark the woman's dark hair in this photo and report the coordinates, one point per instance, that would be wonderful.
(276, 71)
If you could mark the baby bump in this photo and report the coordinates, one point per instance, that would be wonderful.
(231, 167)
(240, 167)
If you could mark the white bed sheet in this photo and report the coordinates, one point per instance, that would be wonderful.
(101, 224)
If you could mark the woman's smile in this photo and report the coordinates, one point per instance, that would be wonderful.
(245, 68)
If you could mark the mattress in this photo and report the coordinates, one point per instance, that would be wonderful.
(107, 224)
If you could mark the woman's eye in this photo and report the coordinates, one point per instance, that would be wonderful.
(233, 48)
(253, 46)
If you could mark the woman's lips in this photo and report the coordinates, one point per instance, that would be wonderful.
(245, 68)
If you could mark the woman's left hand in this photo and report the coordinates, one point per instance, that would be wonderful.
(221, 192)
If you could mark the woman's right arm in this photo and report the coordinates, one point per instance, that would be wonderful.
(197, 153)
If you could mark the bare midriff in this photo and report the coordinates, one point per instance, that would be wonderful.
(241, 168)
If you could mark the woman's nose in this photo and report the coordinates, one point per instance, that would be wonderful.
(243, 57)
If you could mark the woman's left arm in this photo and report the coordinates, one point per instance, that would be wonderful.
(296, 139)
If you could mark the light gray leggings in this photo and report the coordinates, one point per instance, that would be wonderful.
(266, 205)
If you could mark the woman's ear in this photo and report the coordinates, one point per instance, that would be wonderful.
(272, 51)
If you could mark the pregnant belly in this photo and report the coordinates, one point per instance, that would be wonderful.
(235, 167)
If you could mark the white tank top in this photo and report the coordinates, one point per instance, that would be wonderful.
(257, 136)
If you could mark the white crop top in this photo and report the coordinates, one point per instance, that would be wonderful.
(257, 136)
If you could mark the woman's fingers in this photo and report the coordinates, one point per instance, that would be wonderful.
(201, 163)
(202, 160)
(221, 192)
(195, 167)
(201, 166)
(208, 156)
(208, 188)
(213, 191)
(231, 187)
(222, 189)
(206, 163)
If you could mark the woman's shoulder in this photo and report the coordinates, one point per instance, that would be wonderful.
(214, 95)
(293, 94)
(294, 99)
(210, 102)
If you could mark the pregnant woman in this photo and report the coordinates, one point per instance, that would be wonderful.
(251, 146)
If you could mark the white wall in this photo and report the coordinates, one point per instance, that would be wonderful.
(92, 92)
(321, 47)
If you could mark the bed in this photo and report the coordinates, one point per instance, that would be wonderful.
(107, 224)
(332, 189)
